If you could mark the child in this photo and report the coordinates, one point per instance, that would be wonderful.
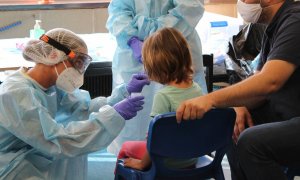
(167, 60)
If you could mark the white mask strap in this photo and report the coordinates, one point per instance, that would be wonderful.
(65, 64)
(56, 68)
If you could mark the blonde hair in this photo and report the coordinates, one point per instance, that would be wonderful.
(167, 57)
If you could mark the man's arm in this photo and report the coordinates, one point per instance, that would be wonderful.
(246, 93)
(254, 89)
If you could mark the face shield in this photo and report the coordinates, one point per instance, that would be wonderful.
(79, 61)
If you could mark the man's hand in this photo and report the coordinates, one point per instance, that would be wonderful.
(193, 108)
(243, 118)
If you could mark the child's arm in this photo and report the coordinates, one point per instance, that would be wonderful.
(146, 161)
(142, 164)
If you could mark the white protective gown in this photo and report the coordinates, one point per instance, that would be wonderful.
(48, 134)
(141, 18)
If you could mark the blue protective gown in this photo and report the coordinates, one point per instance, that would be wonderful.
(48, 134)
(141, 18)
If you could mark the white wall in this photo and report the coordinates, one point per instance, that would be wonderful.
(78, 20)
(226, 9)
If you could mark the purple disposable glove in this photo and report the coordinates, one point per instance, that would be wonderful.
(136, 46)
(128, 107)
(137, 82)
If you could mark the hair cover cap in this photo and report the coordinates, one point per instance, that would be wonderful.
(39, 51)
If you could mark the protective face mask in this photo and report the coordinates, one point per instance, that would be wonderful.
(249, 12)
(69, 80)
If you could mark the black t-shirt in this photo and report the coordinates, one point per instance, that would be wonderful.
(281, 41)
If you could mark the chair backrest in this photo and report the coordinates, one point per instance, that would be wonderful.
(189, 139)
(208, 62)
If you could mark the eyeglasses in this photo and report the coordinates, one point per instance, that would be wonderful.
(79, 61)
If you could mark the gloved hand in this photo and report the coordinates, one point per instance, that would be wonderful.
(128, 107)
(137, 82)
(136, 46)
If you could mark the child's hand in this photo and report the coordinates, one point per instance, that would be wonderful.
(133, 163)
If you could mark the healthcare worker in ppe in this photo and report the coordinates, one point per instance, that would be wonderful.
(131, 22)
(47, 125)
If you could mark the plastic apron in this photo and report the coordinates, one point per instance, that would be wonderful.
(141, 18)
(48, 134)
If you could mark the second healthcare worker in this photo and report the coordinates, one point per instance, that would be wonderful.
(131, 22)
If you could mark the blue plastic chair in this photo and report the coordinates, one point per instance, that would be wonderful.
(189, 139)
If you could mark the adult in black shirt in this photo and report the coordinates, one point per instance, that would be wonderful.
(272, 96)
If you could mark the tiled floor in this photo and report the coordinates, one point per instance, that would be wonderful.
(101, 166)
(226, 168)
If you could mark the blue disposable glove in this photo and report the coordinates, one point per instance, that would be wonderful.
(136, 46)
(137, 82)
(128, 107)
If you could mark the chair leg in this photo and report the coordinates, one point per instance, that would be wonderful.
(119, 177)
(290, 175)
(220, 174)
(291, 172)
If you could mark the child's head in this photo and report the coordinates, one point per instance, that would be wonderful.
(166, 57)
